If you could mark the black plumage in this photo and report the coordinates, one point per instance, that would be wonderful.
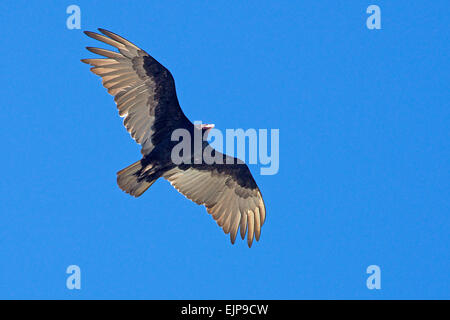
(145, 94)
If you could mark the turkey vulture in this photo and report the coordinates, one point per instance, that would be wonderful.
(144, 92)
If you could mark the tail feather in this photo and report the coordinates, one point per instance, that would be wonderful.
(131, 181)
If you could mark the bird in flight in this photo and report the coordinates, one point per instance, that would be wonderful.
(144, 92)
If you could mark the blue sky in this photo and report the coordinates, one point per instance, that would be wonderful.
(364, 151)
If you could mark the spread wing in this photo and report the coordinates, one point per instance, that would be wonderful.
(143, 89)
(229, 193)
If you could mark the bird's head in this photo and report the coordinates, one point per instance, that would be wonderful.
(205, 127)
